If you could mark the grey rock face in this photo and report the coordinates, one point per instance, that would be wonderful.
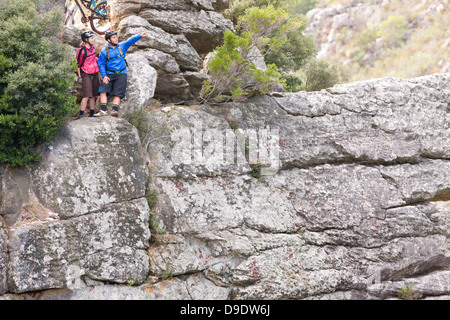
(377, 121)
(169, 54)
(107, 245)
(84, 215)
(179, 33)
(14, 192)
(3, 256)
(197, 20)
(92, 163)
(202, 28)
(356, 206)
(358, 202)
(141, 84)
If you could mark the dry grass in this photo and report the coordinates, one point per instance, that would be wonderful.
(423, 49)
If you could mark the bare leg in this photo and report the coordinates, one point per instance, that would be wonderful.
(116, 101)
(103, 98)
(103, 102)
(83, 103)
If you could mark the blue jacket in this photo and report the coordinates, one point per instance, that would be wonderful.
(115, 64)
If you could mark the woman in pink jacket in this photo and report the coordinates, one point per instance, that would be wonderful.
(88, 72)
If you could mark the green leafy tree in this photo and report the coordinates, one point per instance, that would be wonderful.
(293, 82)
(237, 8)
(319, 74)
(393, 29)
(304, 6)
(36, 71)
(233, 75)
(267, 27)
(284, 43)
(293, 48)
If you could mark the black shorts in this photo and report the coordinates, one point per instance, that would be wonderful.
(117, 85)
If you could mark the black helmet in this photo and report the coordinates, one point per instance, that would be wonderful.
(86, 35)
(109, 34)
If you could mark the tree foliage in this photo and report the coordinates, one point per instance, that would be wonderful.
(319, 74)
(293, 46)
(294, 50)
(233, 71)
(36, 70)
(238, 8)
(233, 75)
(393, 29)
(276, 29)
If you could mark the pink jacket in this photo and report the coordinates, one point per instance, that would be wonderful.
(90, 65)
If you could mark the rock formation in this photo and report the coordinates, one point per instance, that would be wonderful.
(353, 204)
(337, 194)
(80, 211)
(336, 26)
(357, 203)
(180, 34)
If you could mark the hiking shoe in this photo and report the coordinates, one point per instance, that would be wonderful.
(115, 113)
(101, 113)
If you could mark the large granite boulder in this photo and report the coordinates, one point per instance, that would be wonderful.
(141, 87)
(92, 163)
(199, 21)
(357, 201)
(180, 34)
(80, 212)
(107, 245)
(337, 194)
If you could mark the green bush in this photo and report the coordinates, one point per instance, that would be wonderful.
(278, 34)
(235, 77)
(267, 27)
(36, 71)
(233, 74)
(319, 74)
(293, 82)
(238, 8)
(366, 38)
(277, 28)
(407, 293)
(19, 135)
(294, 49)
(393, 29)
(304, 6)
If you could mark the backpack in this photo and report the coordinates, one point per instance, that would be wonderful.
(120, 55)
(83, 48)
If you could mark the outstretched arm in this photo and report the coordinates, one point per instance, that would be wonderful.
(128, 43)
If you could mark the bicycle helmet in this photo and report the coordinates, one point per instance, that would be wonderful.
(86, 35)
(109, 34)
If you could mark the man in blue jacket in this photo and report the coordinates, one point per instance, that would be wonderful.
(113, 68)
